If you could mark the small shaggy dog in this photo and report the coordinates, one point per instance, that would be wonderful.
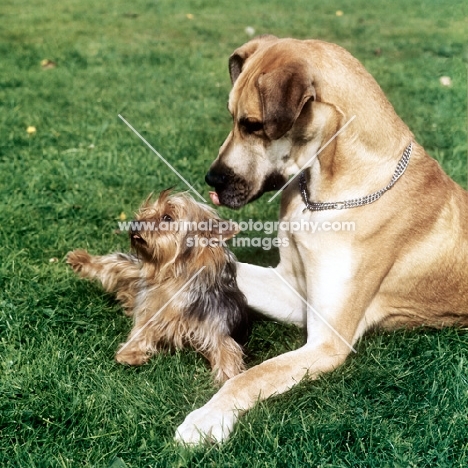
(180, 285)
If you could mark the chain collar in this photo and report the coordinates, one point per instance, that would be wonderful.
(317, 206)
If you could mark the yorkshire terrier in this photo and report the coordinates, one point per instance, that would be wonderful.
(179, 284)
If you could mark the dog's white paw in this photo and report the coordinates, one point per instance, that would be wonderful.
(206, 424)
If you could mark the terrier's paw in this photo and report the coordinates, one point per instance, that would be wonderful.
(131, 357)
(77, 259)
(206, 424)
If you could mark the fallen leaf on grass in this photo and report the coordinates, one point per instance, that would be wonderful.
(445, 81)
(47, 64)
(249, 31)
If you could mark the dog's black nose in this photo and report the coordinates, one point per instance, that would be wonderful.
(215, 179)
(135, 236)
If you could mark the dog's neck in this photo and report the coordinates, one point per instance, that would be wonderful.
(359, 201)
(343, 171)
(345, 161)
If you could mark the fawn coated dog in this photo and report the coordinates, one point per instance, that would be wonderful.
(406, 263)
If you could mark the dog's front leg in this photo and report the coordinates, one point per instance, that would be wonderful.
(271, 291)
(335, 321)
(118, 273)
(328, 345)
(215, 421)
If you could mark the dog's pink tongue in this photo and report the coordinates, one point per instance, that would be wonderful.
(214, 198)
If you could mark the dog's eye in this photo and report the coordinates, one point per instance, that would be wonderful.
(166, 218)
(251, 126)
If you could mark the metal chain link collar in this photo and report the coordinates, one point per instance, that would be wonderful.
(317, 206)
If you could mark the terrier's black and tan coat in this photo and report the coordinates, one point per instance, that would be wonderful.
(180, 284)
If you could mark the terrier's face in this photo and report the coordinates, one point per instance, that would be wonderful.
(177, 227)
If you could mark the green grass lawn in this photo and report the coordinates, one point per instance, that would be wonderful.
(401, 401)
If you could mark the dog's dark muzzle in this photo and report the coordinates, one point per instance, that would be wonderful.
(216, 179)
(234, 191)
(135, 238)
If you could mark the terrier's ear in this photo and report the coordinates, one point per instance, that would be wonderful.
(147, 202)
(223, 230)
(164, 194)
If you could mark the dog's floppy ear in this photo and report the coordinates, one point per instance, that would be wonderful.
(283, 93)
(240, 55)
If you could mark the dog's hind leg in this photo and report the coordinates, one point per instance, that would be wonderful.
(133, 352)
(118, 273)
(226, 358)
(143, 340)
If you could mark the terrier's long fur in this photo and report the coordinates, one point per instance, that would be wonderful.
(179, 286)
